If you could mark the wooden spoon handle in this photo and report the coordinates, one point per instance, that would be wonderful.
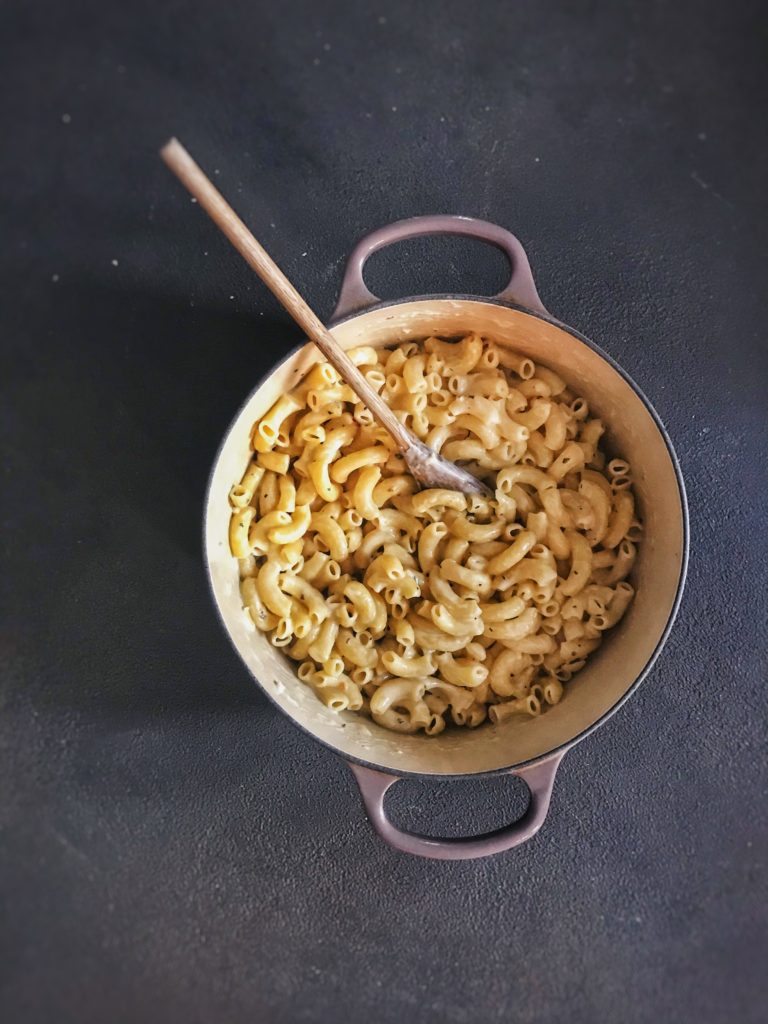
(219, 210)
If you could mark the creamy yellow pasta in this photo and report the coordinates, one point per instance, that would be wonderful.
(422, 608)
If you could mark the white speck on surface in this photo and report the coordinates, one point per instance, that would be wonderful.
(368, 114)
(271, 225)
(192, 199)
(231, 296)
(54, 278)
(537, 159)
(398, 71)
(216, 170)
(326, 47)
(316, 61)
(442, 118)
(70, 847)
(494, 146)
(121, 69)
(394, 110)
(66, 118)
(382, 20)
(205, 252)
(706, 187)
(702, 136)
(486, 109)
(115, 263)
(303, 254)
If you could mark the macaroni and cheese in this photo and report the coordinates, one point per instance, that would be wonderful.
(423, 608)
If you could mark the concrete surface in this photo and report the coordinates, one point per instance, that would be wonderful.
(171, 849)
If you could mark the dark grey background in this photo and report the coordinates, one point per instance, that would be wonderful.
(172, 849)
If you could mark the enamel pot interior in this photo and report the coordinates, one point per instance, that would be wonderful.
(628, 649)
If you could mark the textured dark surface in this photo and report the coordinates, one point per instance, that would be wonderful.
(172, 849)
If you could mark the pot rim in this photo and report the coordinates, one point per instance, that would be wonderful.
(563, 747)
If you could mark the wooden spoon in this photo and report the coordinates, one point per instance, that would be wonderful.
(426, 466)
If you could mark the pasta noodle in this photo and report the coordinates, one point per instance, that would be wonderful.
(428, 609)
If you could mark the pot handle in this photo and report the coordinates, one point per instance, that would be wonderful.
(521, 290)
(539, 778)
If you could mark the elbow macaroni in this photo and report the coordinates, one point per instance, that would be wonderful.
(429, 608)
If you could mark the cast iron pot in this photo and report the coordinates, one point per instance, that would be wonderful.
(530, 748)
